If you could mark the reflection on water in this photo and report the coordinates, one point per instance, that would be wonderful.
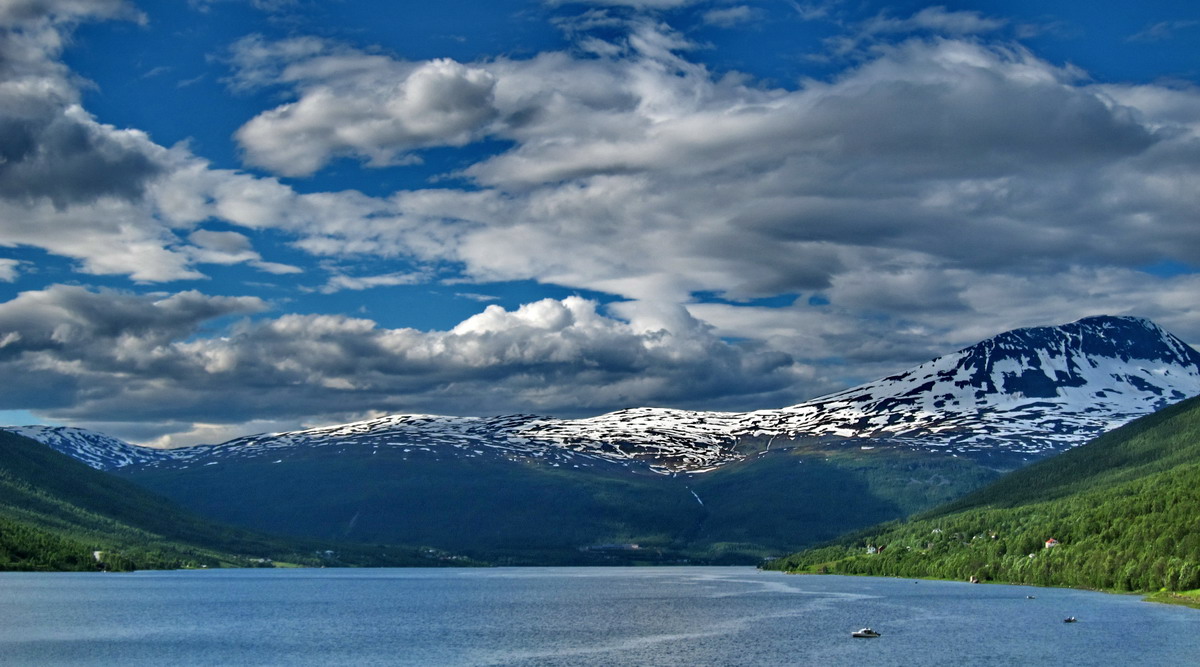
(569, 616)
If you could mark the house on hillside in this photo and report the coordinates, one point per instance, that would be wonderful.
(1051, 543)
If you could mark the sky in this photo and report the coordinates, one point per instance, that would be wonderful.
(225, 217)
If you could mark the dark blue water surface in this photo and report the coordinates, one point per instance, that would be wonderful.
(570, 616)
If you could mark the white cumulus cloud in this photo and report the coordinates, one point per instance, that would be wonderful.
(362, 106)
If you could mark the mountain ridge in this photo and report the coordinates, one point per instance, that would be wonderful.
(1026, 393)
(700, 487)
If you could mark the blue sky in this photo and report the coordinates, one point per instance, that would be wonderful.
(220, 217)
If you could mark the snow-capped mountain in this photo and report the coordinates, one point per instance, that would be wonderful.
(1029, 390)
(1026, 392)
(95, 449)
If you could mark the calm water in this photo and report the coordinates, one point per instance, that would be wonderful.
(570, 616)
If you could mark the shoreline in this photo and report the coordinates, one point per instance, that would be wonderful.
(1178, 598)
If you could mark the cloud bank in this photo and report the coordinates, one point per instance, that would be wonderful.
(106, 356)
(645, 176)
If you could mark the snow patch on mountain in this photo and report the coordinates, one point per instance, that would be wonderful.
(95, 449)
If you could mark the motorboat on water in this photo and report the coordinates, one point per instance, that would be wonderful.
(865, 633)
(1069, 619)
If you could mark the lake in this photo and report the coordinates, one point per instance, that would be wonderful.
(570, 616)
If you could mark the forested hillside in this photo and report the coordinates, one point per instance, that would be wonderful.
(1121, 511)
(59, 514)
(521, 513)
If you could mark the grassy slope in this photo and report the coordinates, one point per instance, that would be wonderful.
(1184, 598)
(1123, 507)
(506, 511)
(55, 511)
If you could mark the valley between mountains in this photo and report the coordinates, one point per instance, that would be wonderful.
(659, 485)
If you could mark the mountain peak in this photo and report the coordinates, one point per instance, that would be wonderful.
(1043, 362)
(1029, 390)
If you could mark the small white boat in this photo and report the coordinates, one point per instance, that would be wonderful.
(865, 632)
(1069, 619)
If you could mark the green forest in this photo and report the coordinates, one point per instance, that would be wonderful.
(1121, 511)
